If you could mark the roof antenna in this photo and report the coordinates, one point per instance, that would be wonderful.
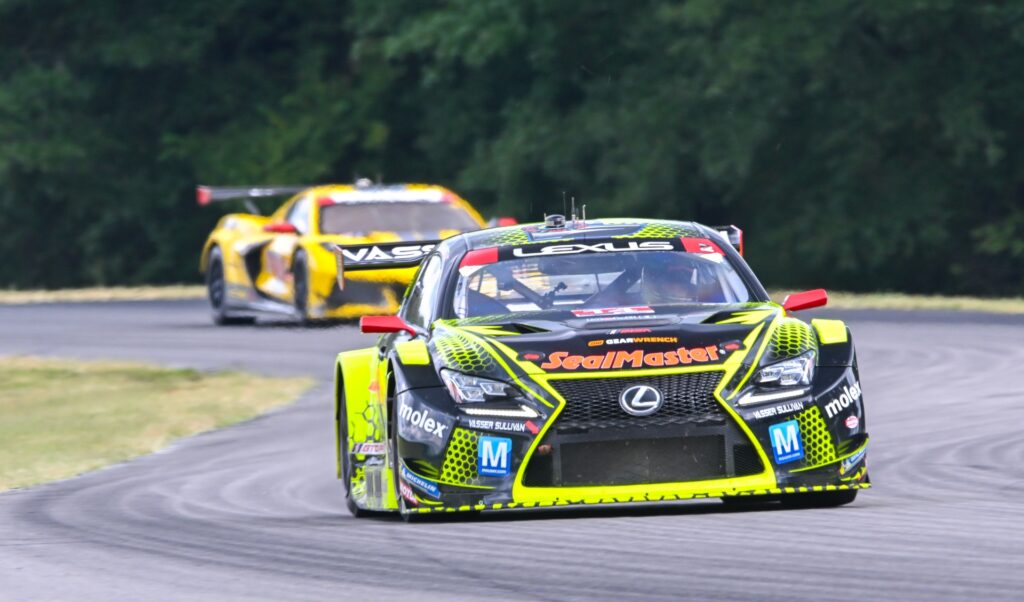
(574, 212)
(584, 215)
(563, 203)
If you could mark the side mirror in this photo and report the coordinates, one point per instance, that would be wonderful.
(371, 324)
(805, 300)
(501, 222)
(280, 228)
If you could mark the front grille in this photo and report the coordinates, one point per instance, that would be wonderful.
(594, 442)
(746, 459)
(594, 402)
(629, 461)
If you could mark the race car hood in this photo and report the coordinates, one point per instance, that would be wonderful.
(585, 340)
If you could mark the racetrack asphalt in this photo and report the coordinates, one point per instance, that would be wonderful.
(253, 512)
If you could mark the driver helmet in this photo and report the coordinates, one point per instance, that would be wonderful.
(669, 280)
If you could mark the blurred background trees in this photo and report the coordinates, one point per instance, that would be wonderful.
(862, 145)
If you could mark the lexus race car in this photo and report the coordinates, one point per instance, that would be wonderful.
(599, 362)
(283, 263)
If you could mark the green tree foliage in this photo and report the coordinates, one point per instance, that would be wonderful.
(862, 145)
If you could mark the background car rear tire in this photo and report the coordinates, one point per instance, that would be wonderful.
(819, 499)
(216, 292)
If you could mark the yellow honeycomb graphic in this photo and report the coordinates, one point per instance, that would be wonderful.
(512, 236)
(460, 353)
(818, 446)
(791, 338)
(460, 462)
(662, 230)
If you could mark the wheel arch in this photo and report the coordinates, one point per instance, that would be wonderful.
(353, 373)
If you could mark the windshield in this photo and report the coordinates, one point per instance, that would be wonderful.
(597, 281)
(425, 217)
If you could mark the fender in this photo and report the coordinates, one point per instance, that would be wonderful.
(352, 377)
(412, 366)
(835, 343)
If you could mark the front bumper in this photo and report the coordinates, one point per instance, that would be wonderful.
(704, 447)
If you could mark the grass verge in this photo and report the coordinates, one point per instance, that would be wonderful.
(901, 301)
(112, 293)
(59, 418)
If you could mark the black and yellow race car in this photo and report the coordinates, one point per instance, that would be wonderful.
(283, 264)
(599, 362)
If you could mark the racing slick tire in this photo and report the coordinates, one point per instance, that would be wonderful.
(300, 286)
(748, 501)
(346, 460)
(216, 292)
(819, 499)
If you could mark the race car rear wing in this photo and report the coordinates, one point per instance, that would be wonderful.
(211, 194)
(732, 234)
(380, 256)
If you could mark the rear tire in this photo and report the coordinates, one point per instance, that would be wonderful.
(819, 499)
(216, 292)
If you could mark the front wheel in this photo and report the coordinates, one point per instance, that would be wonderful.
(819, 499)
(345, 459)
(216, 292)
(300, 287)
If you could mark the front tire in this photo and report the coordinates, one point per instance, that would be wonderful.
(346, 460)
(819, 499)
(300, 287)
(216, 292)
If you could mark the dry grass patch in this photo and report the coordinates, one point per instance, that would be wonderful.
(59, 418)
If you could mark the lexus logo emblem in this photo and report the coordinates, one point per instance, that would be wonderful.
(640, 400)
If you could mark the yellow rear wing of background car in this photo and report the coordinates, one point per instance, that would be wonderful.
(380, 256)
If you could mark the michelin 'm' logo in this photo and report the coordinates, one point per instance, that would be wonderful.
(850, 394)
(494, 456)
(787, 446)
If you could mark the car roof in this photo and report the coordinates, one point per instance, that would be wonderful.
(348, 193)
(536, 233)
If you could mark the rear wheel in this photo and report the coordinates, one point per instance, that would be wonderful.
(216, 292)
(819, 499)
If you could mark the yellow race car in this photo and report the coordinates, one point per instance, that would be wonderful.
(284, 263)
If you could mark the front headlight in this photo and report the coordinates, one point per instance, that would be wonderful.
(788, 373)
(468, 389)
(782, 380)
(474, 389)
